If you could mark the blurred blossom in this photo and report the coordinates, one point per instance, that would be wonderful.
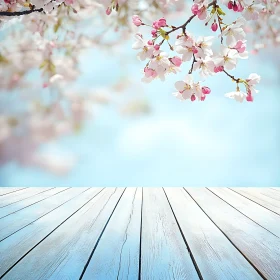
(49, 96)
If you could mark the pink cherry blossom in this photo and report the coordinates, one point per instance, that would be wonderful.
(136, 20)
(195, 9)
(177, 61)
(206, 90)
(230, 5)
(108, 11)
(214, 26)
(249, 98)
(240, 46)
(159, 23)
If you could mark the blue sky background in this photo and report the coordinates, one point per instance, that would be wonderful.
(218, 142)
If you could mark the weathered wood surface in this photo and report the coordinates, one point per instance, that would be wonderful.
(260, 215)
(207, 243)
(139, 233)
(258, 196)
(5, 191)
(164, 254)
(122, 239)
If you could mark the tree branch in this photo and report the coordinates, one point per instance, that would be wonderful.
(183, 26)
(237, 80)
(27, 12)
(194, 60)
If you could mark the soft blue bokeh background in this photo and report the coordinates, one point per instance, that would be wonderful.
(218, 142)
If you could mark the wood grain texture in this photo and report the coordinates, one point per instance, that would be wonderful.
(18, 245)
(259, 246)
(18, 220)
(12, 208)
(20, 195)
(260, 215)
(265, 193)
(119, 245)
(164, 254)
(112, 233)
(5, 191)
(264, 200)
(215, 256)
(65, 252)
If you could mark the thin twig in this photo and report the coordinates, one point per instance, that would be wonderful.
(194, 60)
(232, 77)
(183, 26)
(27, 12)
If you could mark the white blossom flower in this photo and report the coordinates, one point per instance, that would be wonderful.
(239, 96)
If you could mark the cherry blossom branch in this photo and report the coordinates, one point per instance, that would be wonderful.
(183, 26)
(220, 27)
(232, 77)
(27, 12)
(194, 60)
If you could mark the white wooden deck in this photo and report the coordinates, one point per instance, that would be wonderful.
(139, 233)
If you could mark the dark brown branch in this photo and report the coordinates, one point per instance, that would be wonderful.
(183, 26)
(231, 76)
(27, 12)
(221, 30)
(194, 60)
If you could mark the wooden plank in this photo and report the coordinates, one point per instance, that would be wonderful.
(266, 192)
(259, 246)
(122, 237)
(258, 214)
(28, 238)
(18, 220)
(18, 196)
(5, 191)
(257, 197)
(215, 256)
(65, 252)
(164, 254)
(14, 207)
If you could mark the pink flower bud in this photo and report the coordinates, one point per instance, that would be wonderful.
(240, 8)
(240, 46)
(156, 47)
(155, 25)
(249, 98)
(218, 69)
(108, 11)
(235, 7)
(154, 32)
(136, 20)
(214, 26)
(193, 98)
(150, 72)
(202, 98)
(162, 22)
(68, 2)
(195, 9)
(150, 42)
(206, 90)
(45, 85)
(230, 5)
(177, 61)
(194, 50)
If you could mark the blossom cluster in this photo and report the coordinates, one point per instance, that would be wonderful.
(207, 55)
